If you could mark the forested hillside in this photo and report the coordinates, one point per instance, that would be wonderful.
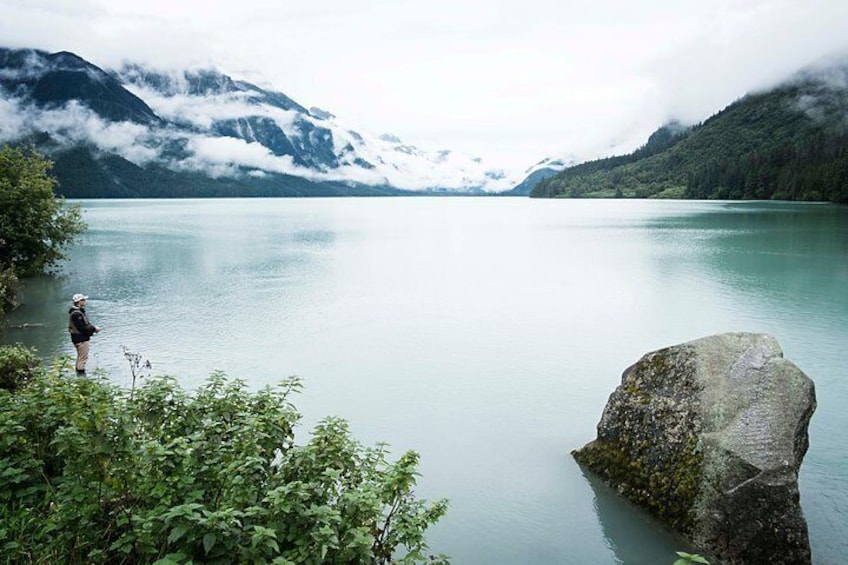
(790, 143)
(83, 173)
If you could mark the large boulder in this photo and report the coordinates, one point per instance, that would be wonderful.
(709, 436)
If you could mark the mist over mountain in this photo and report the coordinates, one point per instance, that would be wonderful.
(542, 170)
(787, 143)
(123, 132)
(141, 131)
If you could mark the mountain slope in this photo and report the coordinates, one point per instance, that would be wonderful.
(52, 80)
(83, 173)
(203, 132)
(542, 170)
(787, 143)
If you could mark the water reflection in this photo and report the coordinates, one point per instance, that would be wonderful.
(227, 269)
(36, 325)
(783, 268)
(634, 537)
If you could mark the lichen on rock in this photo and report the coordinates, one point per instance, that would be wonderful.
(709, 436)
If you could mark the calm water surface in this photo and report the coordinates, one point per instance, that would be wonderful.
(485, 333)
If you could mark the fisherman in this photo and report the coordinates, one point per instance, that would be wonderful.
(81, 331)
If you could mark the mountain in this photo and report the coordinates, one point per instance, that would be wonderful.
(542, 170)
(51, 80)
(788, 143)
(140, 131)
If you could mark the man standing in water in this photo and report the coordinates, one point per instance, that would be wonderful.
(81, 330)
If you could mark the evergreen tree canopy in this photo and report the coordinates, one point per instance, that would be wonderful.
(790, 143)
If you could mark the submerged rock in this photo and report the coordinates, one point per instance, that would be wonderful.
(709, 436)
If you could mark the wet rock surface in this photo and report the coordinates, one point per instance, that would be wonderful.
(709, 436)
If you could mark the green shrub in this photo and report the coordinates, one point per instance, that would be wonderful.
(18, 366)
(9, 286)
(89, 476)
(35, 225)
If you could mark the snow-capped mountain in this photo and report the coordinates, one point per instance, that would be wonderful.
(133, 127)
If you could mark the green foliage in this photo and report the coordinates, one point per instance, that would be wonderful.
(18, 366)
(9, 286)
(790, 144)
(813, 168)
(90, 476)
(619, 176)
(689, 559)
(35, 226)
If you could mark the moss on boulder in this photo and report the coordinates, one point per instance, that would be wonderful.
(709, 436)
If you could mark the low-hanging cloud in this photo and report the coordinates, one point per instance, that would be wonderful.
(826, 103)
(226, 156)
(73, 124)
(231, 157)
(204, 111)
(511, 82)
(393, 163)
(12, 120)
(746, 47)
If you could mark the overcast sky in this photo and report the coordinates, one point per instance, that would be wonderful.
(510, 81)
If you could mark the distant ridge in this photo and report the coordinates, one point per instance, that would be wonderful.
(51, 80)
(538, 172)
(143, 132)
(789, 143)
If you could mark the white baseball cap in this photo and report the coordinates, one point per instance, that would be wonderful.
(77, 297)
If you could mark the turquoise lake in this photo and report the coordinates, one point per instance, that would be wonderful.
(485, 333)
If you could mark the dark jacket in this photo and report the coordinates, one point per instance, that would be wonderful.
(79, 326)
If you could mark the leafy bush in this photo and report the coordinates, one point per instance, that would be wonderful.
(9, 286)
(35, 226)
(18, 365)
(89, 476)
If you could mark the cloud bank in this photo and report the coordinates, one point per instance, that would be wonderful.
(511, 82)
(223, 129)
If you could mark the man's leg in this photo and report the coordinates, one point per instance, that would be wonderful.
(82, 356)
